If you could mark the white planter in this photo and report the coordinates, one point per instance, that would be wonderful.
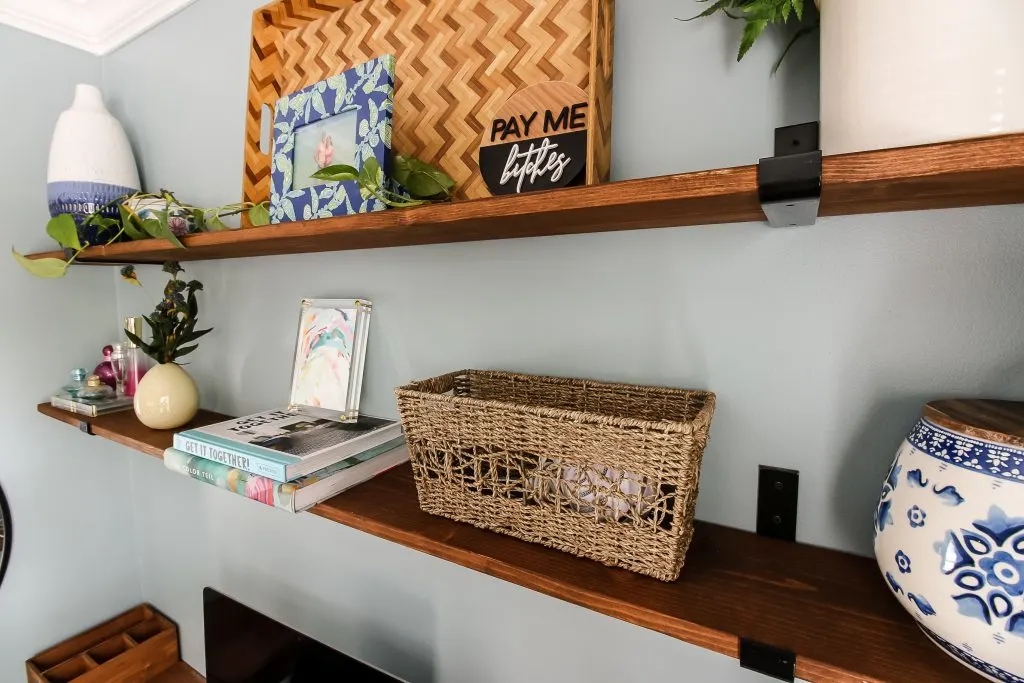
(91, 161)
(907, 72)
(166, 398)
(949, 538)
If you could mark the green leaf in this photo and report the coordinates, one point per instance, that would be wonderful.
(422, 180)
(751, 31)
(133, 338)
(131, 224)
(50, 268)
(64, 231)
(337, 172)
(185, 351)
(798, 7)
(369, 175)
(721, 4)
(805, 30)
(160, 230)
(259, 215)
(216, 224)
(199, 218)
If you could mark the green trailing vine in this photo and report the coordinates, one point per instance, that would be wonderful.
(757, 15)
(422, 182)
(169, 223)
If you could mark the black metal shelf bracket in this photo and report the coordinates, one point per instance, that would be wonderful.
(789, 183)
(778, 492)
(767, 660)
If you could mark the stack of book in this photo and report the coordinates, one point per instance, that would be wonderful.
(320, 444)
(91, 408)
(288, 460)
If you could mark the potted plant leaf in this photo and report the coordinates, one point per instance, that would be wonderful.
(167, 397)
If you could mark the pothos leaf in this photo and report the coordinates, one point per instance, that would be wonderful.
(337, 172)
(259, 215)
(50, 268)
(160, 230)
(370, 175)
(64, 231)
(422, 180)
(130, 221)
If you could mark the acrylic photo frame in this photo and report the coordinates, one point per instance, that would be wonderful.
(330, 352)
(360, 99)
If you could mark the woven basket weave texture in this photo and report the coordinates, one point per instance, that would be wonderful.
(604, 471)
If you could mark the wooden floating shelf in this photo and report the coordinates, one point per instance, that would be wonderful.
(831, 608)
(966, 173)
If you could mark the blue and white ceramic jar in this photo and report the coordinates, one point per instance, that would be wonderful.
(91, 161)
(949, 532)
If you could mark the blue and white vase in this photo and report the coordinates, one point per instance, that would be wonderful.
(949, 533)
(91, 161)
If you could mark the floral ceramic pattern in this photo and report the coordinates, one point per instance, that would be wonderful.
(883, 515)
(367, 89)
(993, 672)
(903, 562)
(987, 566)
(949, 525)
(963, 451)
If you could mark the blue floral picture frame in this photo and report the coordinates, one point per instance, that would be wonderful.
(359, 101)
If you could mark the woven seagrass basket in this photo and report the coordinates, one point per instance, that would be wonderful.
(603, 471)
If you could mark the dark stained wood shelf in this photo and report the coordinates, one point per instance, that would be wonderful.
(966, 173)
(831, 608)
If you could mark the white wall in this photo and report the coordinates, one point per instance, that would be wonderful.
(74, 560)
(822, 343)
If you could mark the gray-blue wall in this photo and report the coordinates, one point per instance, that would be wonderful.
(822, 343)
(74, 561)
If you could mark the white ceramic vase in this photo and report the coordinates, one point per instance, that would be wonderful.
(91, 160)
(910, 72)
(166, 398)
(949, 538)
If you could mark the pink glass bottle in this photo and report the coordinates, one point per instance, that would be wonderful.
(138, 363)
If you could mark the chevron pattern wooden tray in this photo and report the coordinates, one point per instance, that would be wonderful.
(458, 61)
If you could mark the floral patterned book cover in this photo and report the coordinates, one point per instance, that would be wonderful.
(297, 495)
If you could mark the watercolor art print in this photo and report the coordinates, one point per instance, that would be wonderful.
(342, 120)
(329, 354)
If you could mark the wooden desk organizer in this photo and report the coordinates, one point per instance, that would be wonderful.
(135, 646)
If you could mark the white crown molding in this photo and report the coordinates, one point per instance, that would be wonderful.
(96, 26)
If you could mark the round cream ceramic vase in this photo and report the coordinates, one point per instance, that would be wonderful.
(949, 532)
(166, 398)
(911, 72)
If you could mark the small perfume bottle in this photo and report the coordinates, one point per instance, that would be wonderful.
(105, 370)
(77, 382)
(138, 363)
(95, 390)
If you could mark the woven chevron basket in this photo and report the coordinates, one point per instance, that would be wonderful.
(603, 471)
(458, 61)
